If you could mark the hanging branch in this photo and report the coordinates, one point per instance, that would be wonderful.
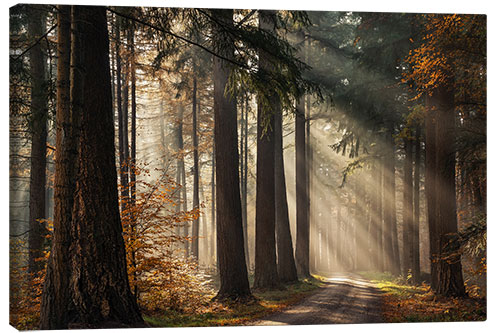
(188, 41)
(35, 43)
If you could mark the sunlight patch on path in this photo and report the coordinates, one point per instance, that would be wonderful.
(345, 299)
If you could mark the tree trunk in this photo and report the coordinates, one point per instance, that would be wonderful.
(416, 211)
(230, 250)
(56, 298)
(38, 124)
(350, 239)
(302, 230)
(449, 269)
(123, 128)
(309, 160)
(338, 245)
(133, 139)
(430, 185)
(99, 282)
(244, 176)
(181, 172)
(391, 260)
(378, 216)
(212, 215)
(119, 105)
(196, 194)
(396, 262)
(287, 271)
(365, 237)
(407, 207)
(133, 115)
(314, 231)
(266, 270)
(331, 240)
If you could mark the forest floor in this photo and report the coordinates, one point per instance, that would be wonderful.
(404, 302)
(342, 299)
(376, 298)
(235, 314)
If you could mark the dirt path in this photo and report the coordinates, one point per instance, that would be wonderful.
(345, 299)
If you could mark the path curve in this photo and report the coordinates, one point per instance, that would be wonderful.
(345, 299)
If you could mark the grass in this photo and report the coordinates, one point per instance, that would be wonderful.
(408, 303)
(217, 314)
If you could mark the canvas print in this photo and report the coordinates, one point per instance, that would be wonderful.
(221, 167)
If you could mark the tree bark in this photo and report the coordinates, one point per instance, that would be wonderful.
(244, 175)
(302, 230)
(266, 271)
(230, 250)
(181, 174)
(38, 126)
(196, 184)
(449, 268)
(378, 216)
(430, 185)
(287, 271)
(212, 215)
(390, 248)
(133, 143)
(99, 281)
(133, 115)
(56, 298)
(123, 128)
(338, 245)
(407, 207)
(416, 210)
(119, 106)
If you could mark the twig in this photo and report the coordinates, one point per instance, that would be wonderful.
(239, 64)
(34, 44)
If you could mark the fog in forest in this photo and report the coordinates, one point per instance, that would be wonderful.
(381, 131)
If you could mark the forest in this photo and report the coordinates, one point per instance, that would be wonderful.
(213, 167)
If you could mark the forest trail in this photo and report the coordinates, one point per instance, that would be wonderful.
(345, 299)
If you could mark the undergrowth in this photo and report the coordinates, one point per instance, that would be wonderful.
(232, 314)
(418, 303)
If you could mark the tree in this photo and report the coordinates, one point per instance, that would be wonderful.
(181, 172)
(378, 248)
(407, 206)
(266, 273)
(430, 187)
(390, 243)
(416, 209)
(99, 279)
(449, 269)
(133, 132)
(122, 142)
(38, 124)
(196, 174)
(303, 232)
(98, 286)
(56, 297)
(440, 70)
(123, 124)
(230, 250)
(287, 270)
(244, 171)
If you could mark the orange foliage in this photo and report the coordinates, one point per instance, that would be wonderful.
(160, 276)
(25, 289)
(452, 49)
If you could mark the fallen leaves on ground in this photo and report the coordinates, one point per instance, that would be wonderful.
(404, 303)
